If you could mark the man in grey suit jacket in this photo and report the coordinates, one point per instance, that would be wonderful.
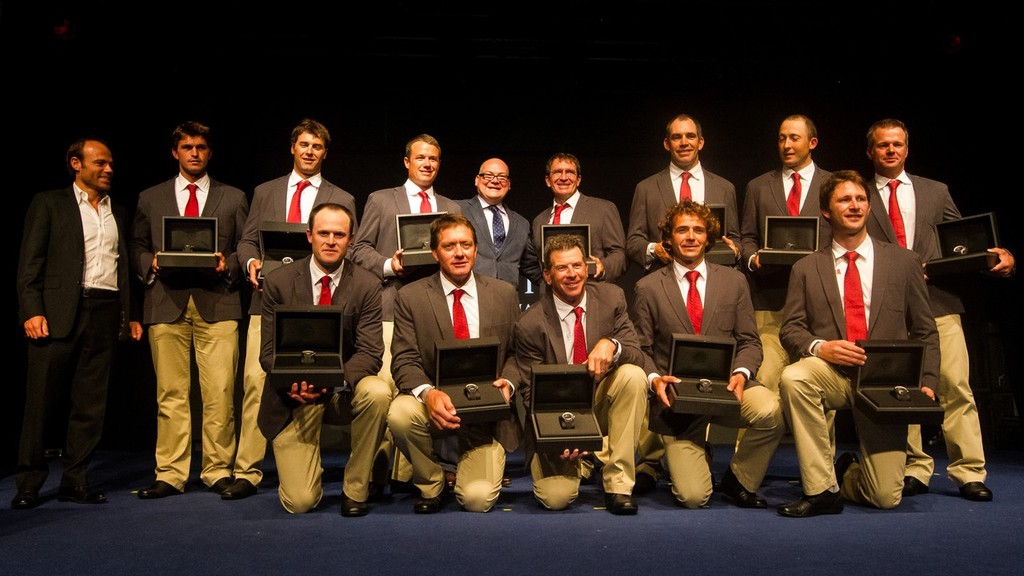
(767, 195)
(661, 310)
(652, 198)
(293, 420)
(272, 202)
(73, 303)
(516, 255)
(186, 308)
(563, 174)
(424, 315)
(610, 349)
(922, 204)
(817, 330)
(654, 195)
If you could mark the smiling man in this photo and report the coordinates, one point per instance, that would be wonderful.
(855, 288)
(422, 417)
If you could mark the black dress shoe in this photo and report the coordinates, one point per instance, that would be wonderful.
(620, 504)
(221, 485)
(976, 491)
(807, 506)
(159, 489)
(427, 505)
(735, 493)
(241, 488)
(352, 508)
(843, 463)
(912, 487)
(25, 500)
(80, 495)
(645, 484)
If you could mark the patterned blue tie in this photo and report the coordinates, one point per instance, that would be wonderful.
(499, 228)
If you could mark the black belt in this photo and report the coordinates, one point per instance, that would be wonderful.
(100, 293)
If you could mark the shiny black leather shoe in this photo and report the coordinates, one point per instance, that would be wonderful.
(913, 487)
(428, 505)
(220, 486)
(735, 493)
(807, 506)
(159, 489)
(241, 488)
(620, 504)
(353, 508)
(80, 495)
(25, 500)
(976, 491)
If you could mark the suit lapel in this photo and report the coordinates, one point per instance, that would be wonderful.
(674, 297)
(711, 297)
(213, 199)
(827, 276)
(553, 328)
(878, 283)
(475, 214)
(665, 191)
(438, 302)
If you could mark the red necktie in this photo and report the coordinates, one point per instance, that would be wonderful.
(894, 214)
(192, 206)
(579, 339)
(684, 187)
(853, 301)
(459, 321)
(793, 201)
(295, 210)
(425, 207)
(557, 218)
(693, 305)
(325, 291)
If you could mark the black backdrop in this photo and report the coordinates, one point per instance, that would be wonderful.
(597, 79)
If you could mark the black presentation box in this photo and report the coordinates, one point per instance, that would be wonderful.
(562, 409)
(189, 242)
(889, 384)
(963, 245)
(720, 253)
(281, 243)
(307, 346)
(788, 239)
(703, 365)
(581, 230)
(466, 370)
(414, 237)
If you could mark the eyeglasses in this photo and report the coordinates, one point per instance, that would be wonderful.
(487, 177)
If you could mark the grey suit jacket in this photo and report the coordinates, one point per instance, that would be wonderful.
(518, 255)
(216, 298)
(377, 240)
(763, 197)
(422, 319)
(52, 256)
(934, 205)
(539, 339)
(607, 239)
(357, 294)
(899, 305)
(652, 199)
(269, 205)
(660, 311)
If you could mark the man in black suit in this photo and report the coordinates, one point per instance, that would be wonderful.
(854, 288)
(921, 204)
(515, 256)
(191, 311)
(293, 420)
(289, 198)
(73, 303)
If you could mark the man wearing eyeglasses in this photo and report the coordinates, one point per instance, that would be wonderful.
(563, 176)
(506, 249)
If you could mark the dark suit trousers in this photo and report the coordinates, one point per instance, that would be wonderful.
(71, 371)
